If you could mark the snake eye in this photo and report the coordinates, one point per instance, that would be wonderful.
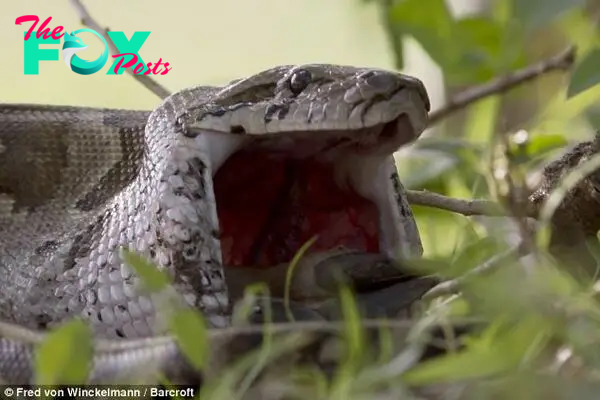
(299, 81)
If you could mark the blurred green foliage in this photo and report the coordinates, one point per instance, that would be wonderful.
(456, 159)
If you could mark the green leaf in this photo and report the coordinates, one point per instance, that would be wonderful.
(469, 50)
(431, 158)
(487, 355)
(448, 145)
(541, 145)
(191, 335)
(455, 367)
(154, 279)
(537, 13)
(65, 356)
(428, 25)
(486, 51)
(421, 166)
(353, 330)
(426, 266)
(473, 255)
(354, 344)
(481, 119)
(586, 74)
(394, 33)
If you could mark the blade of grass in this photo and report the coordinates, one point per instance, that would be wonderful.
(290, 273)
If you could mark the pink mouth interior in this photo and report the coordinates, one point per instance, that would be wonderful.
(268, 207)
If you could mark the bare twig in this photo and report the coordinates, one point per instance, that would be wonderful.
(562, 61)
(87, 20)
(453, 286)
(460, 206)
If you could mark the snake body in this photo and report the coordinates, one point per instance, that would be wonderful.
(77, 184)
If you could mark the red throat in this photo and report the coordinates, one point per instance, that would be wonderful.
(269, 207)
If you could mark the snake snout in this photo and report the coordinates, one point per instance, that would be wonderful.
(381, 82)
(419, 86)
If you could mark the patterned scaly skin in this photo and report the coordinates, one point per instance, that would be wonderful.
(78, 183)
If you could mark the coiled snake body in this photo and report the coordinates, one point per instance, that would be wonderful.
(238, 175)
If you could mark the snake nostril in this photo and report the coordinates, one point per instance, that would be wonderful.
(418, 84)
(425, 96)
(381, 82)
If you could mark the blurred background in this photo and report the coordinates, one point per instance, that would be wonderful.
(450, 45)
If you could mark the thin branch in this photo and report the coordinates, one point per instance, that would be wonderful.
(562, 61)
(492, 264)
(460, 206)
(146, 80)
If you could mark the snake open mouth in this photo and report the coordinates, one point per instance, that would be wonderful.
(274, 194)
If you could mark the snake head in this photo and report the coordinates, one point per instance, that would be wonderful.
(307, 151)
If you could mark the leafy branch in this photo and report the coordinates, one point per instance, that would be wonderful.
(560, 62)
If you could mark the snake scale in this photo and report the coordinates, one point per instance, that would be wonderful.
(237, 175)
